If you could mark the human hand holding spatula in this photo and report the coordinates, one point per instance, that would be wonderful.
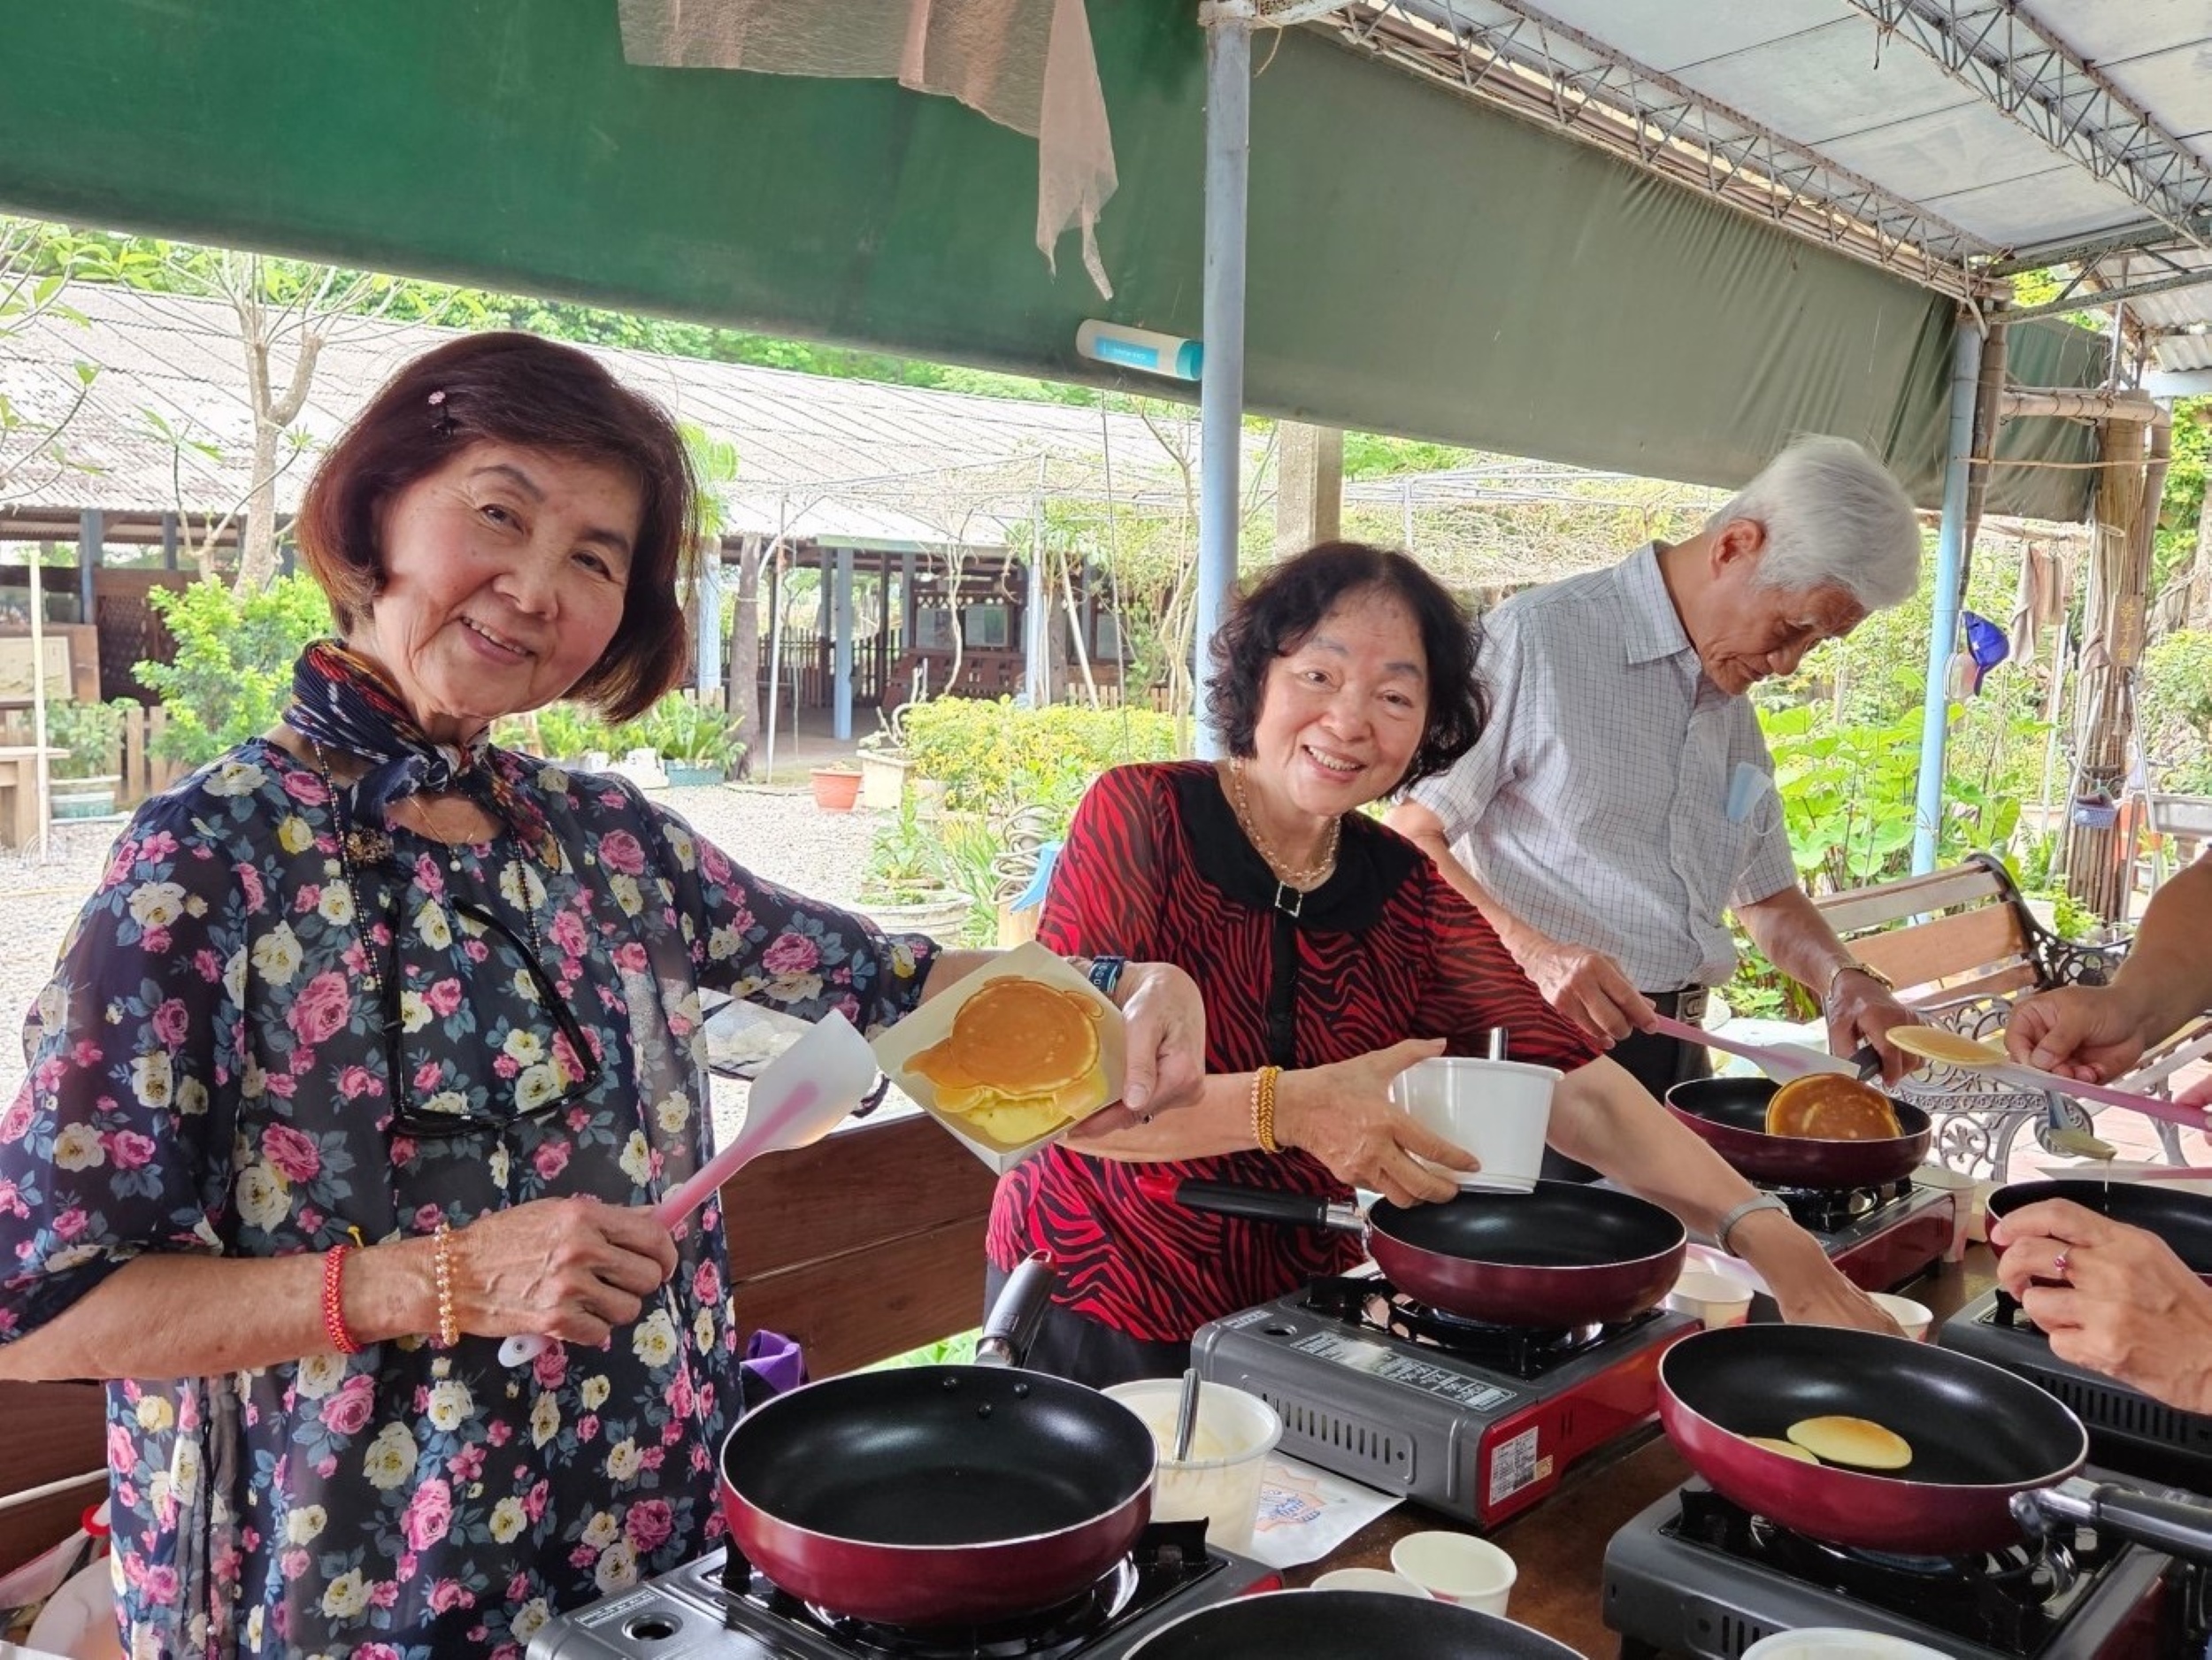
(795, 1102)
(1951, 1048)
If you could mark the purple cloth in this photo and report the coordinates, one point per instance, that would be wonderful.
(774, 1364)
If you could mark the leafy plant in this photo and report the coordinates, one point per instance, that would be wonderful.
(993, 757)
(88, 732)
(563, 732)
(232, 676)
(906, 860)
(684, 730)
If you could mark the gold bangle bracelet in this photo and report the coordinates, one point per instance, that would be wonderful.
(1263, 1108)
(448, 1328)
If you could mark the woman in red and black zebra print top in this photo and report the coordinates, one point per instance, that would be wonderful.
(1327, 945)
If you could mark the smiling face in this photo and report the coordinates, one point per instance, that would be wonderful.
(1343, 710)
(1748, 632)
(504, 573)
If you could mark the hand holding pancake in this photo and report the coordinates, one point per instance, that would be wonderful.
(1166, 1017)
(2111, 1297)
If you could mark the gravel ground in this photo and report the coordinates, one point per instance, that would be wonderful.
(777, 833)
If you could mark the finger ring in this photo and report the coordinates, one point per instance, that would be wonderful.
(2058, 1265)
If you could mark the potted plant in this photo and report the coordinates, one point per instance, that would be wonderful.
(836, 786)
(883, 764)
(694, 739)
(906, 886)
(80, 785)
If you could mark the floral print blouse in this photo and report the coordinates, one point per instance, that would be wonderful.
(209, 1073)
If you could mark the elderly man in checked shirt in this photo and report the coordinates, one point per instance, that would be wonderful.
(1622, 797)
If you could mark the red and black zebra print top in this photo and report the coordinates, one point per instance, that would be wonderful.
(1157, 868)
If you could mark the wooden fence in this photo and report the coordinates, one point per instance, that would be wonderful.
(139, 773)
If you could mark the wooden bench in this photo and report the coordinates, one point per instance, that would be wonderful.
(1963, 948)
(53, 1441)
(863, 1246)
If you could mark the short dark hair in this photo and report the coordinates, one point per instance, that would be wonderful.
(517, 389)
(1287, 604)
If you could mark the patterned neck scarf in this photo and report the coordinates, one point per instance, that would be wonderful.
(340, 702)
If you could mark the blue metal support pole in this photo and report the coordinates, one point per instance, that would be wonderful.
(1943, 630)
(1221, 380)
(91, 541)
(842, 657)
(707, 666)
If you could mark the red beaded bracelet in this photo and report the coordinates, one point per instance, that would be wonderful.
(333, 1305)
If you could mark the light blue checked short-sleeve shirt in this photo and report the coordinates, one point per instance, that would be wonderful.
(1596, 806)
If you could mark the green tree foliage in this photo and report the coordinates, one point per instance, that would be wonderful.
(2176, 712)
(232, 677)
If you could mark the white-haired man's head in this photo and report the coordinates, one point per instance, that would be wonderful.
(1835, 518)
(1823, 536)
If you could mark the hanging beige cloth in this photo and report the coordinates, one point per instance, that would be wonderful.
(2041, 602)
(1025, 64)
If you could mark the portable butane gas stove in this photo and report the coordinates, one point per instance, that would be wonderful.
(1695, 1576)
(1477, 1421)
(1882, 1236)
(2128, 1431)
(720, 1608)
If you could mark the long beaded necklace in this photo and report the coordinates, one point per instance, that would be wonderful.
(359, 844)
(1303, 878)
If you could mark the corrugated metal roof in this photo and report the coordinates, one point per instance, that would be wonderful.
(2010, 121)
(829, 460)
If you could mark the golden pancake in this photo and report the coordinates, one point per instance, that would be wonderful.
(1937, 1043)
(1858, 1441)
(1022, 1059)
(1787, 1449)
(1828, 1107)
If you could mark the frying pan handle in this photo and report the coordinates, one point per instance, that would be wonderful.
(1254, 1204)
(2173, 1525)
(1019, 1313)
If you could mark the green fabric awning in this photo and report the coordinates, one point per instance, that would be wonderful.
(1419, 263)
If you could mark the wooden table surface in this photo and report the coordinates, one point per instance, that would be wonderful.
(1559, 1546)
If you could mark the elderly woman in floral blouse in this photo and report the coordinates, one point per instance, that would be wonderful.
(377, 1044)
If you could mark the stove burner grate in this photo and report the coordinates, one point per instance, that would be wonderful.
(1373, 1304)
(1831, 1210)
(2008, 1599)
(1167, 1558)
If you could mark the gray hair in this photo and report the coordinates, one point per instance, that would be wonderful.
(1835, 518)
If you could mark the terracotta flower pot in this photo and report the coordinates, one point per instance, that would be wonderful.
(835, 790)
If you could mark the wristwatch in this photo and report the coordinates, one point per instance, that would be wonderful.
(1749, 1207)
(1105, 973)
(1851, 966)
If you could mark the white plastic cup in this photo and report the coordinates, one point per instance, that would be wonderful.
(1457, 1568)
(1960, 1186)
(1913, 1318)
(1715, 1299)
(1220, 1480)
(1497, 1111)
(1368, 1579)
(1838, 1642)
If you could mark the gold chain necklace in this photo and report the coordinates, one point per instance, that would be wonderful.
(1301, 876)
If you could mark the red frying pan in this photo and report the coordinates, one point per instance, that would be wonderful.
(941, 1496)
(1989, 1449)
(1730, 1115)
(1561, 1254)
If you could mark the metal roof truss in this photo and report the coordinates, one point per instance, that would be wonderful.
(1523, 59)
